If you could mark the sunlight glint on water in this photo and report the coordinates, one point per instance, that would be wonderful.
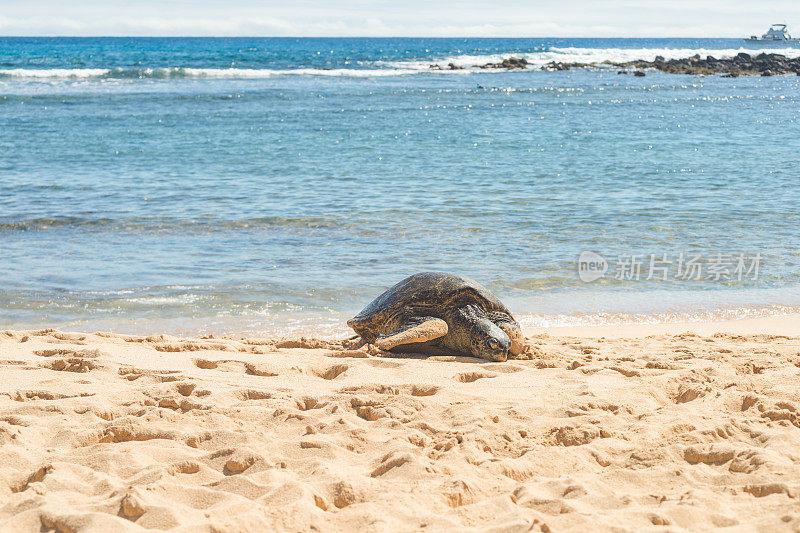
(258, 186)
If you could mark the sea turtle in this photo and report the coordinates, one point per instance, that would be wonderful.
(437, 313)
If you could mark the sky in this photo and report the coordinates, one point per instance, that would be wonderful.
(381, 18)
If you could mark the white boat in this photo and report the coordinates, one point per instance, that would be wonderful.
(776, 34)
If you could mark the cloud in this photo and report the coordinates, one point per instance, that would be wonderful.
(147, 26)
(514, 18)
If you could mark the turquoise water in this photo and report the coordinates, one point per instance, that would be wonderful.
(263, 185)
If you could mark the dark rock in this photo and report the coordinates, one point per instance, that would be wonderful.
(553, 65)
(622, 72)
(730, 75)
(453, 66)
(659, 59)
(639, 73)
(741, 64)
(513, 62)
(509, 63)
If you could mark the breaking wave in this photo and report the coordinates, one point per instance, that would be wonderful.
(188, 73)
(466, 64)
(586, 55)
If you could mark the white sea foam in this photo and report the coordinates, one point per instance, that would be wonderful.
(269, 73)
(153, 300)
(620, 55)
(178, 72)
(467, 63)
(586, 55)
(54, 73)
(610, 319)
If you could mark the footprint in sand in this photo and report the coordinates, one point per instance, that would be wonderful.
(66, 352)
(191, 347)
(29, 395)
(161, 376)
(72, 364)
(53, 336)
(35, 477)
(503, 368)
(307, 403)
(414, 390)
(332, 372)
(469, 377)
(232, 461)
(179, 404)
(384, 363)
(233, 365)
(253, 395)
(424, 390)
(14, 362)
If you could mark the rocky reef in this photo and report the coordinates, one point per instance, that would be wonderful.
(508, 63)
(741, 64)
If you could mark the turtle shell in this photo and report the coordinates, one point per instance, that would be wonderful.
(435, 293)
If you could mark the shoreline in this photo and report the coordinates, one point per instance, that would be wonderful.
(786, 323)
(780, 324)
(752, 319)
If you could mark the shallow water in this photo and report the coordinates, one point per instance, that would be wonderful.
(232, 185)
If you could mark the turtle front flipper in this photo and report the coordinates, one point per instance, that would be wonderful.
(414, 330)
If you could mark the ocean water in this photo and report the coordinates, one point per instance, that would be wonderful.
(275, 186)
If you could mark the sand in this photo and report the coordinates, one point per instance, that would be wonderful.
(671, 427)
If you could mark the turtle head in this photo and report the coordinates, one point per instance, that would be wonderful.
(489, 341)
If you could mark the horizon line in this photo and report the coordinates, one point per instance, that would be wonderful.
(42, 36)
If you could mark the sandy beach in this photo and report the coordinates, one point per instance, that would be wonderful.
(617, 428)
(202, 203)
